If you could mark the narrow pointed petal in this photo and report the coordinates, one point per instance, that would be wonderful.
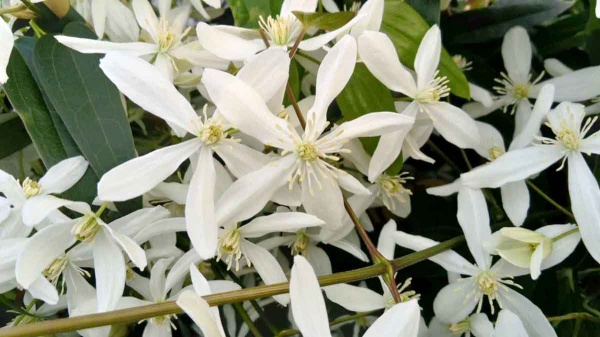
(532, 127)
(561, 249)
(147, 87)
(89, 46)
(145, 16)
(509, 324)
(531, 316)
(7, 42)
(454, 124)
(266, 72)
(513, 166)
(555, 68)
(200, 312)
(223, 43)
(353, 298)
(515, 201)
(428, 56)
(39, 207)
(158, 280)
(481, 95)
(266, 266)
(334, 73)
(579, 85)
(516, 53)
(372, 124)
(200, 214)
(449, 260)
(474, 220)
(289, 222)
(535, 265)
(324, 201)
(321, 40)
(308, 305)
(109, 267)
(245, 108)
(290, 6)
(402, 320)
(135, 252)
(373, 16)
(42, 289)
(380, 56)
(40, 250)
(139, 175)
(456, 300)
(63, 175)
(386, 244)
(585, 202)
(482, 327)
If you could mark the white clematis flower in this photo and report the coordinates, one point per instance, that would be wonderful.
(35, 200)
(103, 242)
(110, 17)
(164, 35)
(282, 31)
(310, 314)
(478, 325)
(570, 142)
(427, 90)
(457, 300)
(517, 85)
(304, 157)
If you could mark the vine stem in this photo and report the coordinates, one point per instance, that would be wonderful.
(137, 314)
(13, 9)
(335, 322)
(550, 200)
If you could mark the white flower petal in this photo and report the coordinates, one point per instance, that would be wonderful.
(318, 260)
(456, 300)
(333, 75)
(157, 279)
(380, 56)
(449, 259)
(42, 289)
(428, 56)
(373, 16)
(200, 214)
(402, 320)
(200, 312)
(579, 85)
(135, 252)
(226, 44)
(474, 220)
(482, 327)
(532, 127)
(63, 175)
(139, 175)
(7, 42)
(266, 72)
(160, 227)
(562, 248)
(454, 124)
(555, 68)
(245, 108)
(180, 268)
(89, 46)
(515, 201)
(513, 166)
(40, 250)
(535, 265)
(308, 305)
(585, 203)
(319, 41)
(446, 190)
(481, 95)
(145, 16)
(147, 87)
(516, 53)
(249, 194)
(289, 222)
(109, 267)
(531, 316)
(39, 207)
(370, 125)
(353, 298)
(290, 6)
(350, 248)
(266, 266)
(325, 200)
(509, 324)
(386, 244)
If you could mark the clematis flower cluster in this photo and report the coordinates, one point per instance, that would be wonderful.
(244, 180)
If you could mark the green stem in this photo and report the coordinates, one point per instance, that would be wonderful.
(550, 200)
(575, 315)
(39, 32)
(444, 156)
(565, 234)
(335, 322)
(137, 314)
(308, 57)
(464, 155)
(13, 9)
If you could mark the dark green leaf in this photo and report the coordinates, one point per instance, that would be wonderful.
(406, 28)
(492, 23)
(429, 9)
(325, 21)
(13, 136)
(364, 94)
(246, 13)
(87, 102)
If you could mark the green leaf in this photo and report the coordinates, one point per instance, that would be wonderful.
(364, 94)
(406, 28)
(493, 22)
(88, 104)
(246, 13)
(429, 10)
(13, 135)
(325, 21)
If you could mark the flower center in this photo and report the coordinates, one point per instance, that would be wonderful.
(462, 62)
(437, 89)
(392, 188)
(55, 269)
(405, 296)
(516, 91)
(87, 227)
(460, 328)
(31, 188)
(488, 284)
(281, 30)
(495, 152)
(568, 138)
(307, 151)
(212, 133)
(166, 38)
(229, 244)
(300, 244)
